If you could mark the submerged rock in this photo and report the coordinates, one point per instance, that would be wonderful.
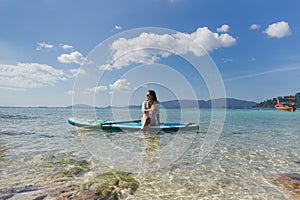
(6, 196)
(65, 169)
(58, 169)
(109, 185)
(71, 167)
(2, 150)
(6, 193)
(291, 182)
(59, 182)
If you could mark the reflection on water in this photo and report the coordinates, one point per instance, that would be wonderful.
(152, 143)
(149, 158)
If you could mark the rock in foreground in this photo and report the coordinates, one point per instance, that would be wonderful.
(109, 186)
(291, 182)
(112, 185)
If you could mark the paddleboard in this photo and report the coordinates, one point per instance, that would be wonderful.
(134, 125)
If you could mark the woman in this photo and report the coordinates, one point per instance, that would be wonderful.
(150, 109)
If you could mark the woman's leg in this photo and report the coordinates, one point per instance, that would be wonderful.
(145, 121)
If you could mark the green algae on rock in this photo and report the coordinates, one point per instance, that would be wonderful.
(56, 170)
(110, 185)
(72, 167)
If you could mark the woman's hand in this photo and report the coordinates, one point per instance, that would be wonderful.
(146, 112)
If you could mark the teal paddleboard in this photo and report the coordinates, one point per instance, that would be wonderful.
(134, 125)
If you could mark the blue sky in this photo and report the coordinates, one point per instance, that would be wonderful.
(43, 44)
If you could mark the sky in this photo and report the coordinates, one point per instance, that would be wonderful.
(47, 47)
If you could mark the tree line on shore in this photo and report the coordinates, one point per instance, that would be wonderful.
(270, 103)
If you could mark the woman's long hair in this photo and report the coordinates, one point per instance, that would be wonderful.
(152, 93)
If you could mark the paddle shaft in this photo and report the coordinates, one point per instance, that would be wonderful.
(120, 122)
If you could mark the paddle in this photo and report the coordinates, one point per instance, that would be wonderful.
(114, 122)
(119, 122)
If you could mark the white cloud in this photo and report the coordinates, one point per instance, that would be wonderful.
(226, 40)
(74, 57)
(29, 75)
(224, 28)
(66, 47)
(117, 27)
(148, 48)
(96, 89)
(77, 72)
(278, 30)
(106, 67)
(121, 85)
(43, 45)
(254, 27)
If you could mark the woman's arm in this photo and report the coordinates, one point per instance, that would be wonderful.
(144, 108)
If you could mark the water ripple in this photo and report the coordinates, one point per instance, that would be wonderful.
(16, 117)
(17, 133)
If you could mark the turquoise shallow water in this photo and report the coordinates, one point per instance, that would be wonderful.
(253, 147)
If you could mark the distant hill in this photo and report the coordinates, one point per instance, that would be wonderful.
(80, 106)
(215, 103)
(270, 103)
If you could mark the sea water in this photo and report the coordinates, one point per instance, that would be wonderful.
(252, 147)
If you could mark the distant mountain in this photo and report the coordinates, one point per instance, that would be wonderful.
(215, 103)
(231, 103)
(79, 106)
(183, 104)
